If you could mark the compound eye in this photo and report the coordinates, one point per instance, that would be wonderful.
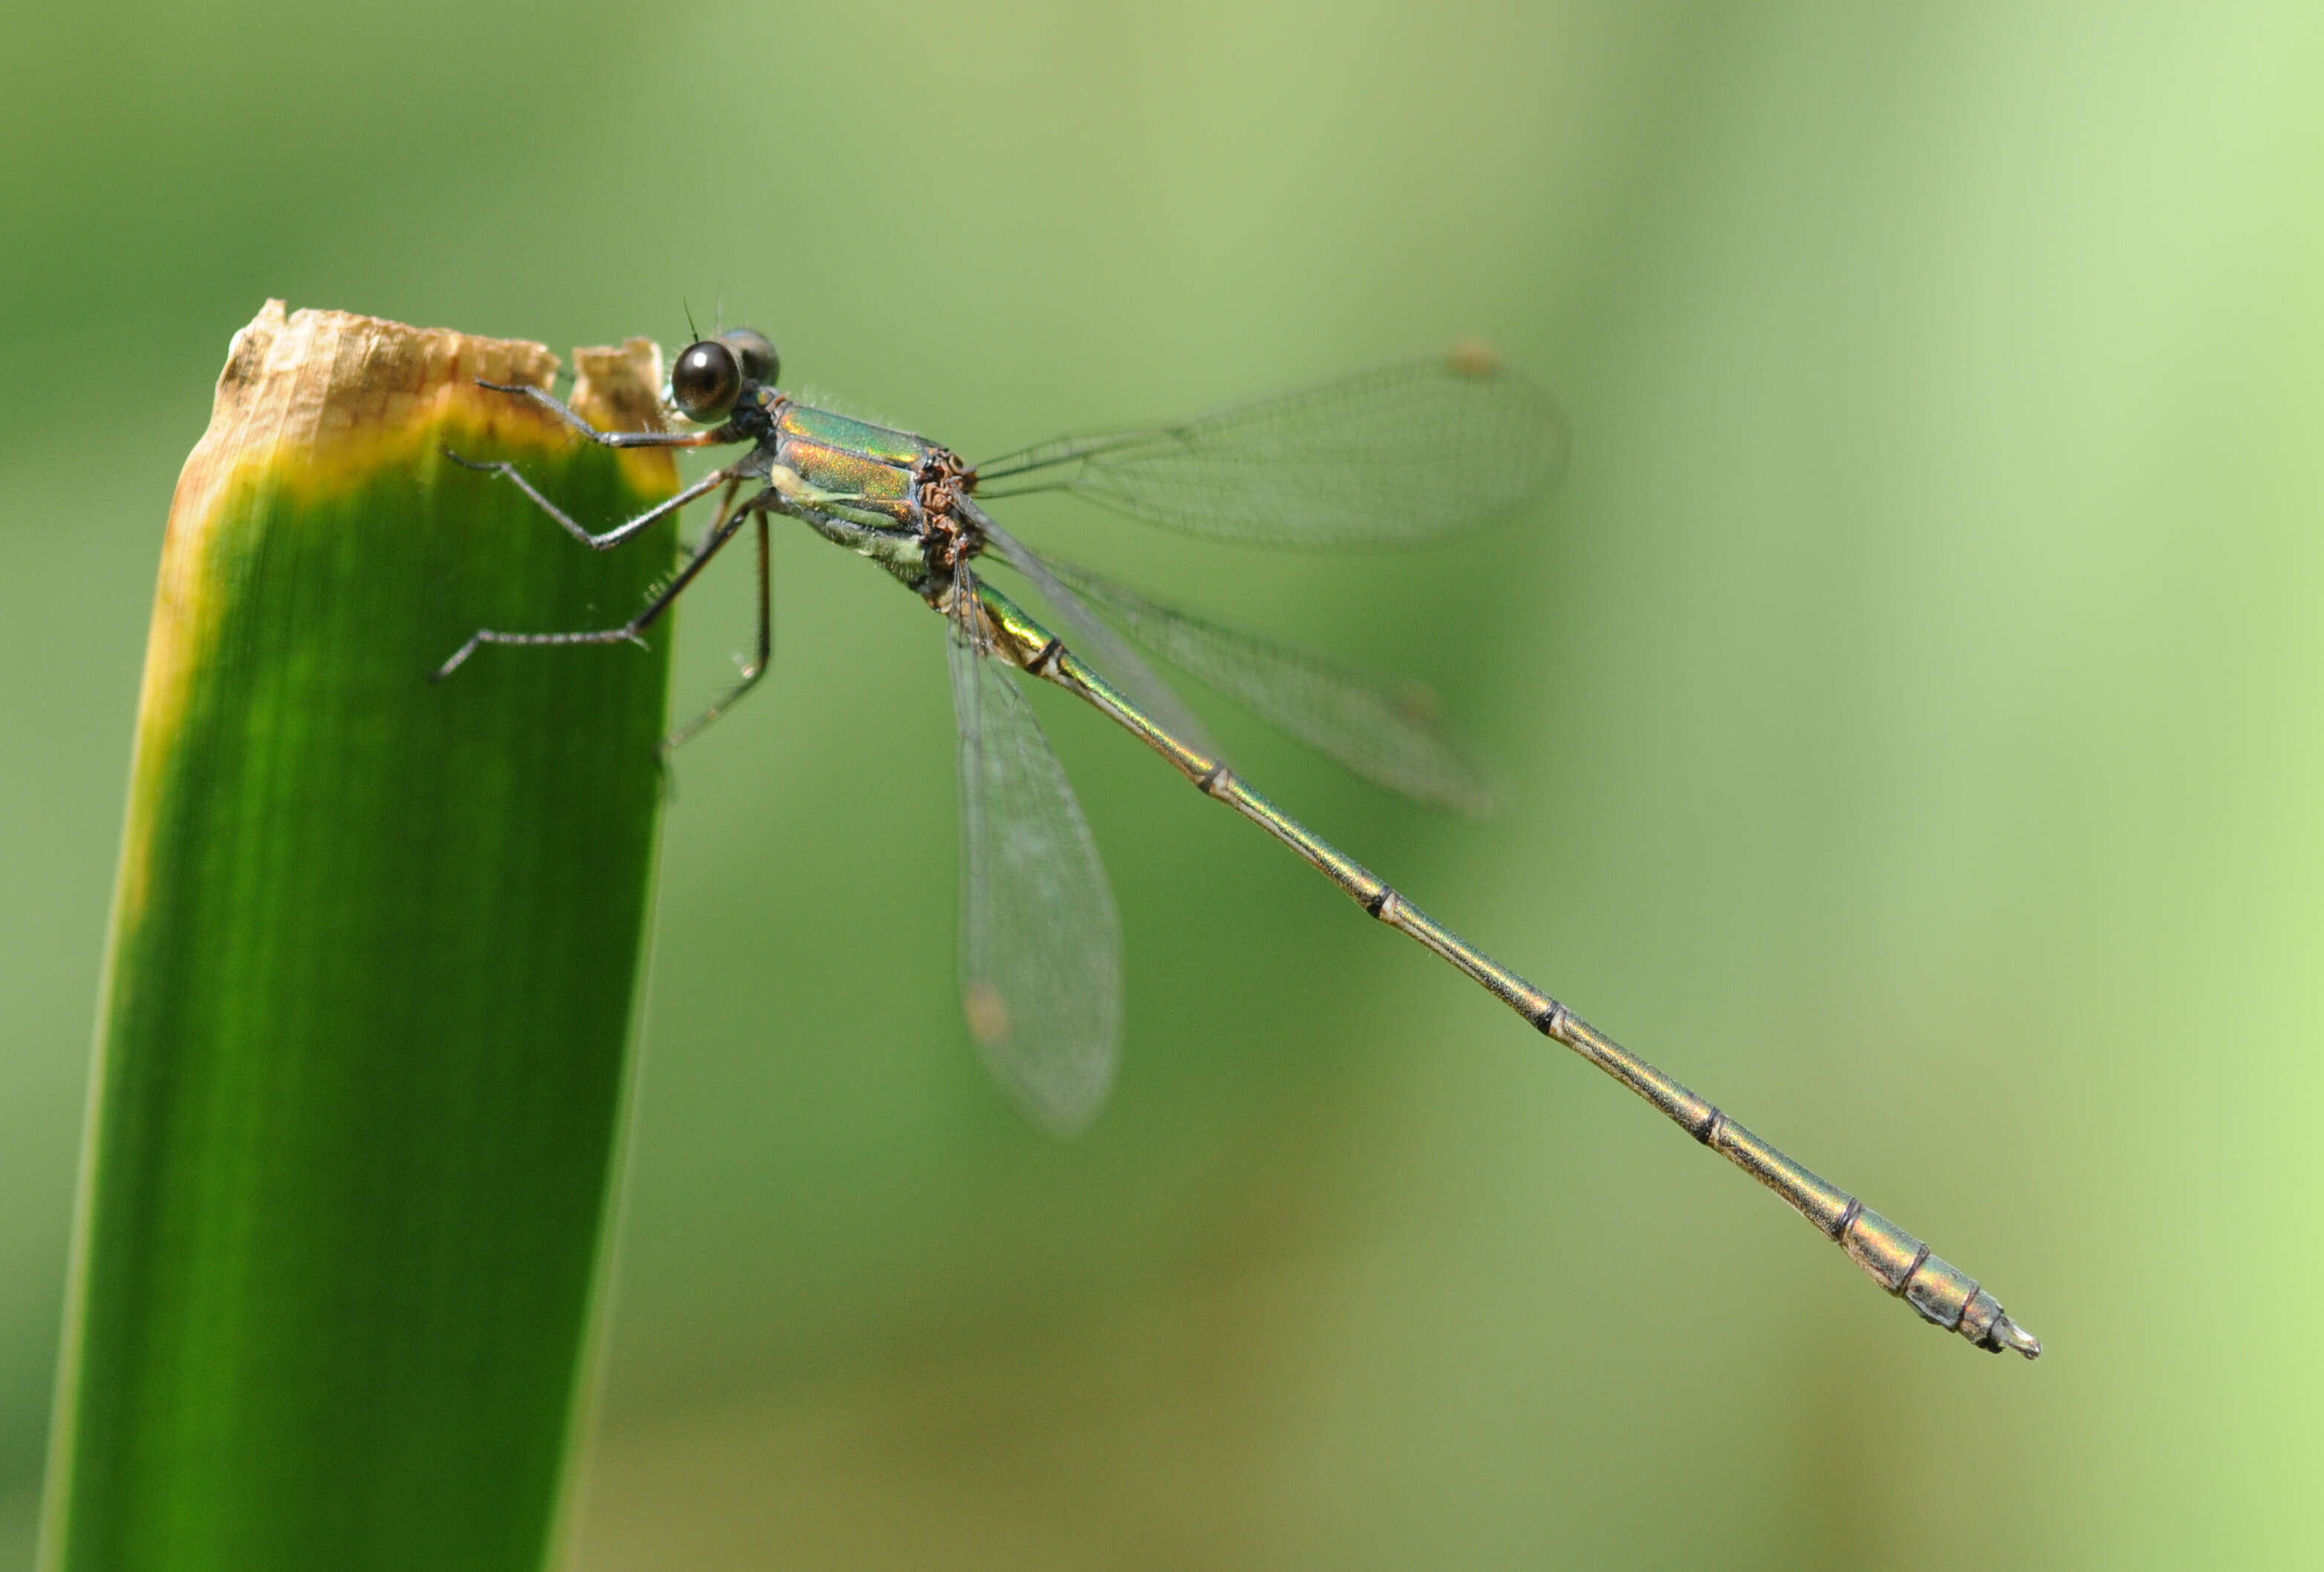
(705, 381)
(757, 354)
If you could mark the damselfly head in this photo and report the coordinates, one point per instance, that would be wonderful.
(757, 354)
(706, 380)
(712, 372)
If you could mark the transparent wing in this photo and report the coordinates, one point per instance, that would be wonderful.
(1095, 642)
(1400, 456)
(1040, 948)
(1383, 730)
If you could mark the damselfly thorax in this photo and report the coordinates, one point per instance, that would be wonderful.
(889, 495)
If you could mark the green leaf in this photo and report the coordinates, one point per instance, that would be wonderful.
(372, 976)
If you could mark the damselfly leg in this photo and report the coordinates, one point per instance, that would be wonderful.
(574, 527)
(754, 669)
(730, 519)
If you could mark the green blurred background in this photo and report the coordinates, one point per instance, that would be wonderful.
(1907, 716)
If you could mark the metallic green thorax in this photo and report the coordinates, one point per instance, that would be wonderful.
(858, 485)
(871, 465)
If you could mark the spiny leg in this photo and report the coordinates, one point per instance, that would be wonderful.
(567, 413)
(730, 519)
(751, 673)
(573, 527)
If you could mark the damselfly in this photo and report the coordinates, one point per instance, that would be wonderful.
(1406, 455)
